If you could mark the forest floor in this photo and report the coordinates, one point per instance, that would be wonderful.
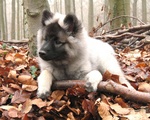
(18, 87)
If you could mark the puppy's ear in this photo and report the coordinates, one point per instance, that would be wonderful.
(46, 16)
(72, 23)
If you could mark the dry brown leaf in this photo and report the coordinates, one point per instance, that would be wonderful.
(119, 110)
(8, 107)
(89, 106)
(8, 90)
(13, 113)
(130, 78)
(74, 110)
(19, 58)
(26, 79)
(121, 102)
(107, 75)
(57, 94)
(20, 97)
(103, 110)
(70, 116)
(4, 99)
(9, 56)
(27, 106)
(29, 88)
(39, 102)
(12, 74)
(138, 115)
(15, 86)
(144, 87)
(25, 117)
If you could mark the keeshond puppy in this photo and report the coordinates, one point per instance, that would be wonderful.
(66, 52)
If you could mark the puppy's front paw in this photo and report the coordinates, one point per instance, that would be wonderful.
(44, 84)
(93, 78)
(43, 94)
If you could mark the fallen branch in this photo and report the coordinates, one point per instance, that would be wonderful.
(120, 36)
(109, 21)
(108, 86)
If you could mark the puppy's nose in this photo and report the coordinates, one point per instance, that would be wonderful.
(42, 53)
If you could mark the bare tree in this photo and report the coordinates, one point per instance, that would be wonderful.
(90, 15)
(56, 6)
(74, 6)
(135, 11)
(5, 20)
(118, 8)
(34, 10)
(2, 30)
(60, 6)
(67, 6)
(81, 10)
(13, 18)
(18, 20)
(144, 11)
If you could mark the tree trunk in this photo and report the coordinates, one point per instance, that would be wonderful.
(67, 6)
(60, 6)
(144, 11)
(13, 27)
(5, 20)
(18, 20)
(118, 8)
(55, 6)
(73, 6)
(90, 15)
(135, 12)
(34, 9)
(2, 20)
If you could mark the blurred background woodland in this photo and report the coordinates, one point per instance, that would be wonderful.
(20, 19)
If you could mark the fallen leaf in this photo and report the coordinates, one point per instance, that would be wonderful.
(121, 102)
(118, 109)
(20, 97)
(57, 94)
(139, 115)
(103, 110)
(8, 107)
(4, 99)
(89, 106)
(8, 90)
(144, 87)
(26, 79)
(15, 86)
(25, 117)
(27, 106)
(39, 102)
(13, 113)
(70, 116)
(107, 75)
(12, 74)
(29, 88)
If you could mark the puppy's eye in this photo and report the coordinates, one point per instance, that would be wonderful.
(57, 42)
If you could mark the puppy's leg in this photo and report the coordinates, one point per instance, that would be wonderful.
(44, 84)
(93, 78)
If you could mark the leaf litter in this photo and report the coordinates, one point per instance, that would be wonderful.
(18, 87)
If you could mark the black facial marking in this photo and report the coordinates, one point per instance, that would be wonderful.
(46, 15)
(53, 47)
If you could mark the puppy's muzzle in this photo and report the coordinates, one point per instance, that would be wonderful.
(42, 54)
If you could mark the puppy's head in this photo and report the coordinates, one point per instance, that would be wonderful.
(59, 36)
